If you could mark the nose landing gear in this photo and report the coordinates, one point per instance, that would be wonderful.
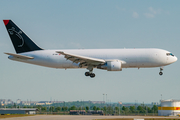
(161, 69)
(160, 73)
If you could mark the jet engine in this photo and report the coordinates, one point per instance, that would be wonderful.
(113, 65)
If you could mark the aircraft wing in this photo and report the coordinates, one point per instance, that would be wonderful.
(19, 56)
(84, 61)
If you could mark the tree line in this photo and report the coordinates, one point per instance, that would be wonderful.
(141, 109)
(107, 109)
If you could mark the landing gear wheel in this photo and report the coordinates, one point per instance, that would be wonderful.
(160, 73)
(161, 69)
(87, 74)
(92, 75)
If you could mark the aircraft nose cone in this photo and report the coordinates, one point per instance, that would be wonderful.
(171, 59)
(175, 58)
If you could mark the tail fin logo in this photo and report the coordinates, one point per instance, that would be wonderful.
(12, 31)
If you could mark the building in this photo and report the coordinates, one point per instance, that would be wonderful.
(6, 102)
(169, 108)
(77, 112)
(98, 102)
(18, 111)
(18, 101)
(95, 112)
(154, 103)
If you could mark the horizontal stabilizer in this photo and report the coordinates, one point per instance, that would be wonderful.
(19, 56)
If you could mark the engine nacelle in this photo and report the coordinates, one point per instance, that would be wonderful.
(114, 65)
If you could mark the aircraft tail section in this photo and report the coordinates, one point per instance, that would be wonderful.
(21, 42)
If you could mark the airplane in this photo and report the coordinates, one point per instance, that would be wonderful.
(105, 59)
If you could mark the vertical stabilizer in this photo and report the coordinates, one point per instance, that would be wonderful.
(21, 42)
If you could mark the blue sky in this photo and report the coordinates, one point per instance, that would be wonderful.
(70, 24)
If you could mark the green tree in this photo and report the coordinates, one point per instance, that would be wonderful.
(154, 109)
(87, 108)
(109, 110)
(51, 109)
(140, 109)
(116, 110)
(14, 105)
(83, 108)
(44, 109)
(124, 108)
(73, 108)
(98, 108)
(149, 110)
(104, 108)
(94, 108)
(64, 108)
(132, 109)
(58, 109)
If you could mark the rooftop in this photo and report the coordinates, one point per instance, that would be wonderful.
(170, 100)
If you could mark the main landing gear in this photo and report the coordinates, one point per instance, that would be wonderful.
(89, 74)
(161, 69)
(92, 75)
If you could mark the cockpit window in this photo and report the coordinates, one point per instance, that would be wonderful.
(169, 54)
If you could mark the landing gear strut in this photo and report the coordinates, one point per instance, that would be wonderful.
(161, 69)
(92, 75)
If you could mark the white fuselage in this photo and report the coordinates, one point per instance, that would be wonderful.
(131, 58)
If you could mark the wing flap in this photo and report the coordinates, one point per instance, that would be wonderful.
(19, 56)
(82, 59)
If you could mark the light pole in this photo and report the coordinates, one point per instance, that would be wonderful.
(106, 104)
(153, 108)
(64, 107)
(106, 97)
(103, 99)
(119, 108)
(161, 104)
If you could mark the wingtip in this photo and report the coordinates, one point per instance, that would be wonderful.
(6, 22)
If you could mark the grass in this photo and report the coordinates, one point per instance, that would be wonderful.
(14, 115)
(161, 119)
(117, 119)
(142, 118)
